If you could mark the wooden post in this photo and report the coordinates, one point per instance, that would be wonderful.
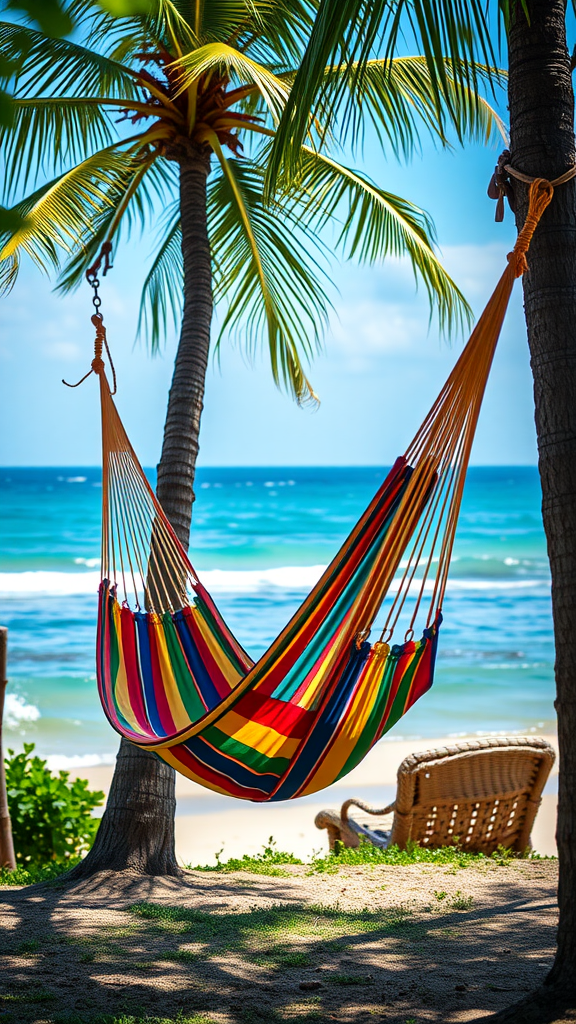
(7, 858)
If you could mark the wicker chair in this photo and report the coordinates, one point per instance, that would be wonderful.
(481, 794)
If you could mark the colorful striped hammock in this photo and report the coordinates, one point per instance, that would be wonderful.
(174, 679)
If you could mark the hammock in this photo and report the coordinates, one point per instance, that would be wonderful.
(173, 678)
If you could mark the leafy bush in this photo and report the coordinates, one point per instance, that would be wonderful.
(33, 874)
(51, 817)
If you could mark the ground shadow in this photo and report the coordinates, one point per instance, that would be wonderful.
(248, 950)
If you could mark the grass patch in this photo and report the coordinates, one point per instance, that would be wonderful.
(272, 937)
(449, 856)
(273, 862)
(285, 958)
(460, 902)
(27, 948)
(265, 863)
(39, 995)
(351, 979)
(182, 955)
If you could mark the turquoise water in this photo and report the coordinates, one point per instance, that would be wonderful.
(260, 538)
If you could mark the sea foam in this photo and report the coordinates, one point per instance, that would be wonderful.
(240, 581)
(17, 711)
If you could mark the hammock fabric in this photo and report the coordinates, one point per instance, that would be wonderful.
(173, 678)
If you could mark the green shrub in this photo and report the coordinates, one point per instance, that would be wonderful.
(33, 874)
(51, 817)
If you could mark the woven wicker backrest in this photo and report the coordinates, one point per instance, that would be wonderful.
(481, 794)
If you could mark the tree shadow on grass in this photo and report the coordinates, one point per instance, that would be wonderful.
(235, 950)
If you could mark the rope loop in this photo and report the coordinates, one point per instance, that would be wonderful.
(97, 365)
(501, 187)
(540, 195)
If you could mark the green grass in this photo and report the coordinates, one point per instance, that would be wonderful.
(34, 995)
(271, 860)
(448, 856)
(460, 902)
(265, 863)
(184, 955)
(283, 958)
(26, 948)
(272, 938)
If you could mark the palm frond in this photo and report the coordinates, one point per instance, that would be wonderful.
(376, 224)
(63, 215)
(225, 60)
(115, 36)
(47, 133)
(50, 65)
(162, 293)
(397, 97)
(151, 181)
(174, 26)
(348, 33)
(275, 295)
(285, 27)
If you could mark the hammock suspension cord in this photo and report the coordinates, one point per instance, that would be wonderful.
(173, 678)
(141, 548)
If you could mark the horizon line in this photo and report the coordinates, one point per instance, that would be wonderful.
(277, 465)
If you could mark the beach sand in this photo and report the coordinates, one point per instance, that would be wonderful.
(207, 822)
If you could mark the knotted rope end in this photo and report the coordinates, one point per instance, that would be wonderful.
(97, 364)
(540, 196)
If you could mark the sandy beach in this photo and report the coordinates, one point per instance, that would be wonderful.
(207, 822)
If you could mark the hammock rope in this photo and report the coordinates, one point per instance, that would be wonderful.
(173, 678)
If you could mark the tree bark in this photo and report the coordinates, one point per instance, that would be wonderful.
(137, 828)
(541, 104)
(176, 470)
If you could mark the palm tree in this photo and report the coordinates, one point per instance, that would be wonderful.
(199, 89)
(542, 143)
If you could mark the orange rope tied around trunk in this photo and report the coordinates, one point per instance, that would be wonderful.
(540, 195)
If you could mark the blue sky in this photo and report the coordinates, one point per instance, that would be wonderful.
(380, 369)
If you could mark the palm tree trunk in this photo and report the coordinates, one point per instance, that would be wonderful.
(137, 828)
(542, 144)
(175, 486)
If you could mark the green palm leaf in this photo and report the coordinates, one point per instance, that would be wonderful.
(274, 292)
(398, 98)
(348, 33)
(376, 224)
(60, 217)
(47, 133)
(161, 299)
(225, 60)
(59, 65)
(149, 181)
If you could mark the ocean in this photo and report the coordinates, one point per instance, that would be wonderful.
(260, 539)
